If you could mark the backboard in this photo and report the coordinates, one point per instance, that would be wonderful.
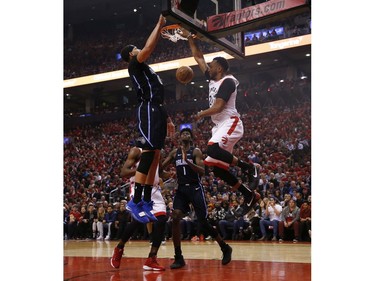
(231, 42)
(222, 23)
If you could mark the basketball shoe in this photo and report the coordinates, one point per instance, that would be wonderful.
(136, 209)
(250, 202)
(227, 254)
(147, 208)
(152, 265)
(178, 262)
(253, 176)
(116, 257)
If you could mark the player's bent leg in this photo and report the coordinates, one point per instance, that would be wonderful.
(119, 249)
(215, 151)
(251, 197)
(158, 231)
(225, 176)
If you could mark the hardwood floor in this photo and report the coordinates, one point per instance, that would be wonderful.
(260, 261)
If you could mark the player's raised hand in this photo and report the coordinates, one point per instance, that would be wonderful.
(185, 33)
(171, 129)
(162, 20)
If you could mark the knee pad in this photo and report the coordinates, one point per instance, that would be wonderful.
(225, 176)
(145, 163)
(215, 151)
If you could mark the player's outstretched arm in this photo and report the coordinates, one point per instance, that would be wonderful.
(151, 41)
(197, 54)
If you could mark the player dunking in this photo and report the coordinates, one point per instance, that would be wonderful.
(152, 122)
(228, 128)
(189, 168)
(129, 170)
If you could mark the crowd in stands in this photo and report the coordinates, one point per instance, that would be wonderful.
(290, 27)
(277, 136)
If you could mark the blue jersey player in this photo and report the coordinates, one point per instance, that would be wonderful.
(189, 168)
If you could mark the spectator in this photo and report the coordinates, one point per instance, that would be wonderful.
(305, 193)
(123, 218)
(99, 224)
(263, 185)
(278, 197)
(74, 217)
(241, 221)
(66, 222)
(289, 221)
(92, 217)
(305, 222)
(217, 214)
(240, 226)
(283, 189)
(273, 214)
(168, 226)
(274, 35)
(83, 228)
(272, 179)
(259, 214)
(285, 202)
(280, 175)
(233, 213)
(299, 200)
(108, 222)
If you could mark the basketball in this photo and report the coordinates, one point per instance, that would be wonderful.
(184, 74)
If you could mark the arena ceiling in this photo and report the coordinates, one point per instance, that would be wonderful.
(79, 11)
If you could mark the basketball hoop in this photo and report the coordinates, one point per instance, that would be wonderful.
(172, 33)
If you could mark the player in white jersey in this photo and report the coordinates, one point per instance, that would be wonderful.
(228, 129)
(159, 211)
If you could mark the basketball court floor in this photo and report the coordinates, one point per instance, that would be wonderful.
(251, 260)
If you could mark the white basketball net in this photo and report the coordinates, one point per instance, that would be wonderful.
(172, 34)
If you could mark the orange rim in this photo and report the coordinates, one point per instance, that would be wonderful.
(170, 27)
